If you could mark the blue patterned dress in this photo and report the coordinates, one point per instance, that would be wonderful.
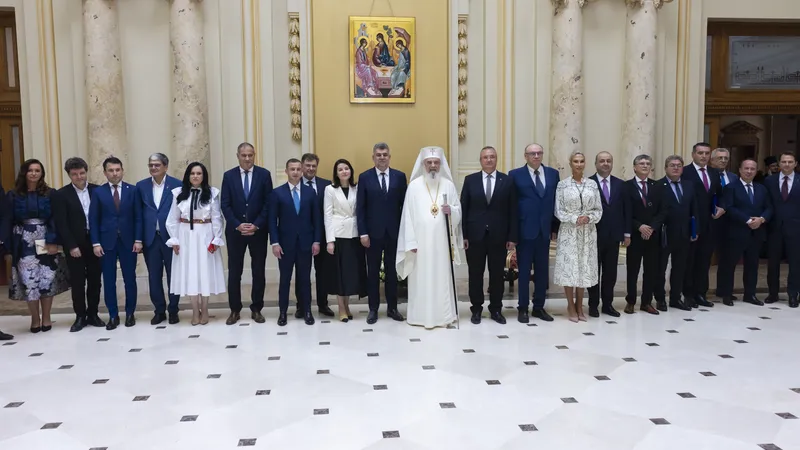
(34, 276)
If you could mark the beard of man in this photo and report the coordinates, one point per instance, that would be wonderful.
(431, 178)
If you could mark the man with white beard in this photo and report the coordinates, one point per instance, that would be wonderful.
(422, 245)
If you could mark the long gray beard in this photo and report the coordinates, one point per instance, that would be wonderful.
(431, 179)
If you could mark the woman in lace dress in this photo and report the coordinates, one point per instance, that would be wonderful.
(579, 209)
(195, 226)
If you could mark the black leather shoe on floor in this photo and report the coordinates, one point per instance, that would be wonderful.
(233, 318)
(771, 299)
(299, 314)
(112, 323)
(793, 301)
(95, 321)
(173, 318)
(130, 321)
(78, 325)
(395, 315)
(309, 319)
(257, 317)
(727, 301)
(753, 300)
(662, 306)
(610, 311)
(522, 316)
(593, 312)
(476, 318)
(499, 318)
(372, 317)
(282, 319)
(679, 305)
(733, 297)
(701, 300)
(5, 336)
(326, 311)
(542, 314)
(158, 318)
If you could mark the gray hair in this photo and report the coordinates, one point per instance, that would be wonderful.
(671, 158)
(380, 146)
(243, 146)
(525, 150)
(717, 151)
(642, 158)
(159, 157)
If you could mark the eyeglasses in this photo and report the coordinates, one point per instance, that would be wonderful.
(534, 153)
(675, 166)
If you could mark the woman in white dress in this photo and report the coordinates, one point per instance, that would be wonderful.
(195, 228)
(579, 209)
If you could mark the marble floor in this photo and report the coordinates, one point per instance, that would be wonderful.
(724, 378)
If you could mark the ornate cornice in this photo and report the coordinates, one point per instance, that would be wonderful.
(657, 3)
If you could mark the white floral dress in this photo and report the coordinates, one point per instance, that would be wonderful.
(576, 253)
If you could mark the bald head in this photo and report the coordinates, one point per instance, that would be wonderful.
(604, 163)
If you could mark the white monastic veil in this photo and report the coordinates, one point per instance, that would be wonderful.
(405, 258)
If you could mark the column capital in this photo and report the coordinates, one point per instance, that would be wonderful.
(657, 3)
(559, 4)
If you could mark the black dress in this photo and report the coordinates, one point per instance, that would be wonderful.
(350, 268)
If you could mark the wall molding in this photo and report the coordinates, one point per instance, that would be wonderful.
(462, 76)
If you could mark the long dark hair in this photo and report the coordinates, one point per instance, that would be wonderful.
(335, 179)
(21, 185)
(186, 189)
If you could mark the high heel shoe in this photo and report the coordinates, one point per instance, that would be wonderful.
(572, 315)
(581, 317)
(46, 328)
(204, 311)
(35, 330)
(344, 317)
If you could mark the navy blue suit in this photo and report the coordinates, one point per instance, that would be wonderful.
(237, 210)
(784, 234)
(295, 233)
(378, 216)
(536, 222)
(116, 232)
(611, 231)
(676, 236)
(701, 250)
(157, 256)
(741, 240)
(322, 262)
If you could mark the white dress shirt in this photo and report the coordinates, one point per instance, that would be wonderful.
(85, 199)
(379, 177)
(493, 184)
(541, 176)
(158, 191)
(639, 185)
(607, 179)
(249, 176)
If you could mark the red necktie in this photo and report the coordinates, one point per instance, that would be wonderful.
(705, 178)
(116, 197)
(644, 193)
(785, 188)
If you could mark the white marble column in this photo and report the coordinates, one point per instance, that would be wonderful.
(639, 126)
(189, 97)
(566, 107)
(105, 99)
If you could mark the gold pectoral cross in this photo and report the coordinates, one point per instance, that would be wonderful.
(434, 209)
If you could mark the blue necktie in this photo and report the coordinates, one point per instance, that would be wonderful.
(722, 179)
(246, 184)
(538, 184)
(750, 193)
(383, 182)
(678, 192)
(296, 197)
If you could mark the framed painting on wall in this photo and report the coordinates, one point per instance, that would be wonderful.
(382, 68)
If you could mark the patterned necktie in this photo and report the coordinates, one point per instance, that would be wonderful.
(785, 188)
(606, 194)
(750, 192)
(488, 189)
(246, 184)
(644, 193)
(296, 198)
(383, 182)
(705, 178)
(116, 197)
(537, 183)
(678, 192)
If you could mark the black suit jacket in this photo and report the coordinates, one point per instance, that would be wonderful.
(70, 220)
(499, 217)
(652, 213)
(321, 183)
(739, 209)
(616, 220)
(378, 214)
(255, 209)
(786, 214)
(678, 222)
(706, 200)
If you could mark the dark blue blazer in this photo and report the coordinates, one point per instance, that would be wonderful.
(786, 214)
(739, 209)
(322, 183)
(378, 214)
(705, 199)
(291, 230)
(536, 214)
(616, 220)
(238, 210)
(150, 213)
(678, 221)
(732, 178)
(106, 223)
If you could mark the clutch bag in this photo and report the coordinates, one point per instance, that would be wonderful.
(41, 246)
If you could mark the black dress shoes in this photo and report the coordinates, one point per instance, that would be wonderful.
(112, 324)
(282, 319)
(257, 317)
(130, 321)
(677, 304)
(727, 301)
(593, 312)
(522, 317)
(395, 315)
(609, 311)
(661, 305)
(95, 321)
(299, 314)
(372, 317)
(771, 299)
(476, 318)
(309, 319)
(793, 301)
(78, 325)
(702, 301)
(733, 297)
(498, 317)
(233, 318)
(753, 300)
(157, 319)
(326, 311)
(541, 314)
(5, 336)
(173, 318)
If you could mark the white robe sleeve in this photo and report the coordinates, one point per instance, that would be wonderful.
(173, 220)
(328, 213)
(457, 238)
(217, 223)
(406, 239)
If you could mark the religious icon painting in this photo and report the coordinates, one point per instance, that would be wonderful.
(382, 59)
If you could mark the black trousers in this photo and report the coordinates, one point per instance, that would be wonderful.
(698, 263)
(478, 253)
(322, 269)
(382, 247)
(607, 259)
(643, 253)
(84, 278)
(783, 244)
(750, 249)
(237, 246)
(680, 251)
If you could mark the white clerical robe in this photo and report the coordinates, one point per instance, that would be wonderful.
(430, 285)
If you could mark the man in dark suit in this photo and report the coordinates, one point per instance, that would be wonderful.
(784, 230)
(614, 228)
(72, 222)
(536, 199)
(748, 208)
(679, 229)
(490, 228)
(322, 261)
(379, 206)
(3, 208)
(720, 158)
(155, 201)
(708, 192)
(295, 228)
(245, 195)
(647, 217)
(113, 221)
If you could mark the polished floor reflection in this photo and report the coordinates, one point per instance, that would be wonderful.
(726, 378)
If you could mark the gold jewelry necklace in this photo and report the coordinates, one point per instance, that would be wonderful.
(434, 206)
